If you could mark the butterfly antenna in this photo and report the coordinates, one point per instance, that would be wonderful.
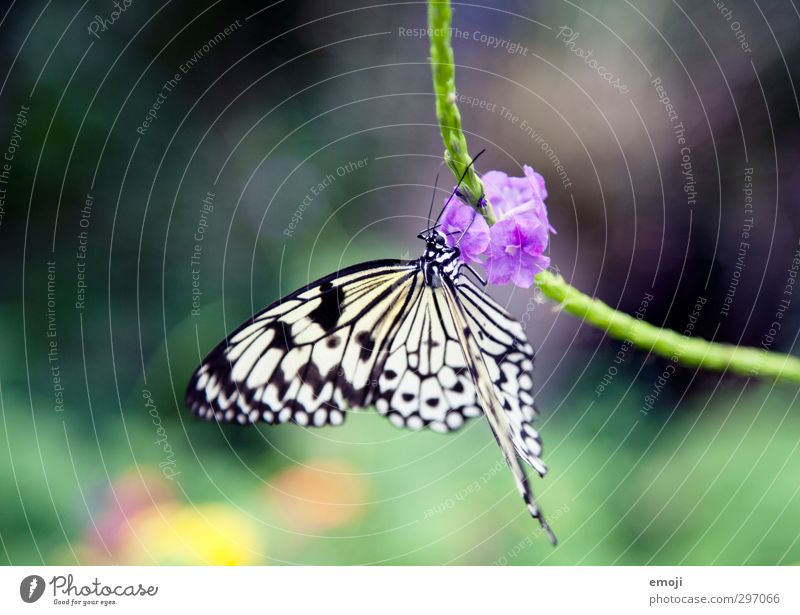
(458, 185)
(433, 198)
(471, 222)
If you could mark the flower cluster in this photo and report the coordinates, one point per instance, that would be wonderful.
(513, 249)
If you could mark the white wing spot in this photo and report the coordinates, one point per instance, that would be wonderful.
(472, 411)
(320, 415)
(415, 422)
(454, 420)
(438, 427)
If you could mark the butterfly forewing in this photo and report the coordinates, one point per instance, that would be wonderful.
(495, 404)
(309, 356)
(509, 359)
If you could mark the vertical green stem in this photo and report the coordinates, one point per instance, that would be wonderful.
(444, 79)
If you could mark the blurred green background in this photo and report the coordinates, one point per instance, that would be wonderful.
(106, 308)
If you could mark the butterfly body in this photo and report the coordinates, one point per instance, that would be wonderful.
(439, 259)
(417, 340)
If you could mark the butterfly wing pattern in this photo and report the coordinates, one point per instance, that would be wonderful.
(376, 334)
(307, 357)
(509, 357)
(422, 380)
(495, 377)
(459, 351)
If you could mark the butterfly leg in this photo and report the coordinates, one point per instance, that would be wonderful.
(476, 274)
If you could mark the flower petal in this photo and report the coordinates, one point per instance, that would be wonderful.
(458, 218)
(515, 251)
(537, 182)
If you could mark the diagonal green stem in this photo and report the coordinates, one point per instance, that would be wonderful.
(695, 352)
(691, 351)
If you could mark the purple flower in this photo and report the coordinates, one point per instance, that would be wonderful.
(514, 247)
(457, 218)
(515, 196)
(508, 192)
(515, 251)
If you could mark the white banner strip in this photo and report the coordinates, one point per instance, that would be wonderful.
(451, 590)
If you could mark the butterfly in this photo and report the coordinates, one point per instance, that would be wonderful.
(418, 340)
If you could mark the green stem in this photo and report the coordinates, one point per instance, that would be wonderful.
(444, 79)
(691, 351)
(695, 352)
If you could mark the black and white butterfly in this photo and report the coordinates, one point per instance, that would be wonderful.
(418, 340)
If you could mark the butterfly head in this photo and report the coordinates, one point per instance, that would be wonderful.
(439, 258)
(436, 243)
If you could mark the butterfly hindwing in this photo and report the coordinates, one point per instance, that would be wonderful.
(423, 381)
(309, 356)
